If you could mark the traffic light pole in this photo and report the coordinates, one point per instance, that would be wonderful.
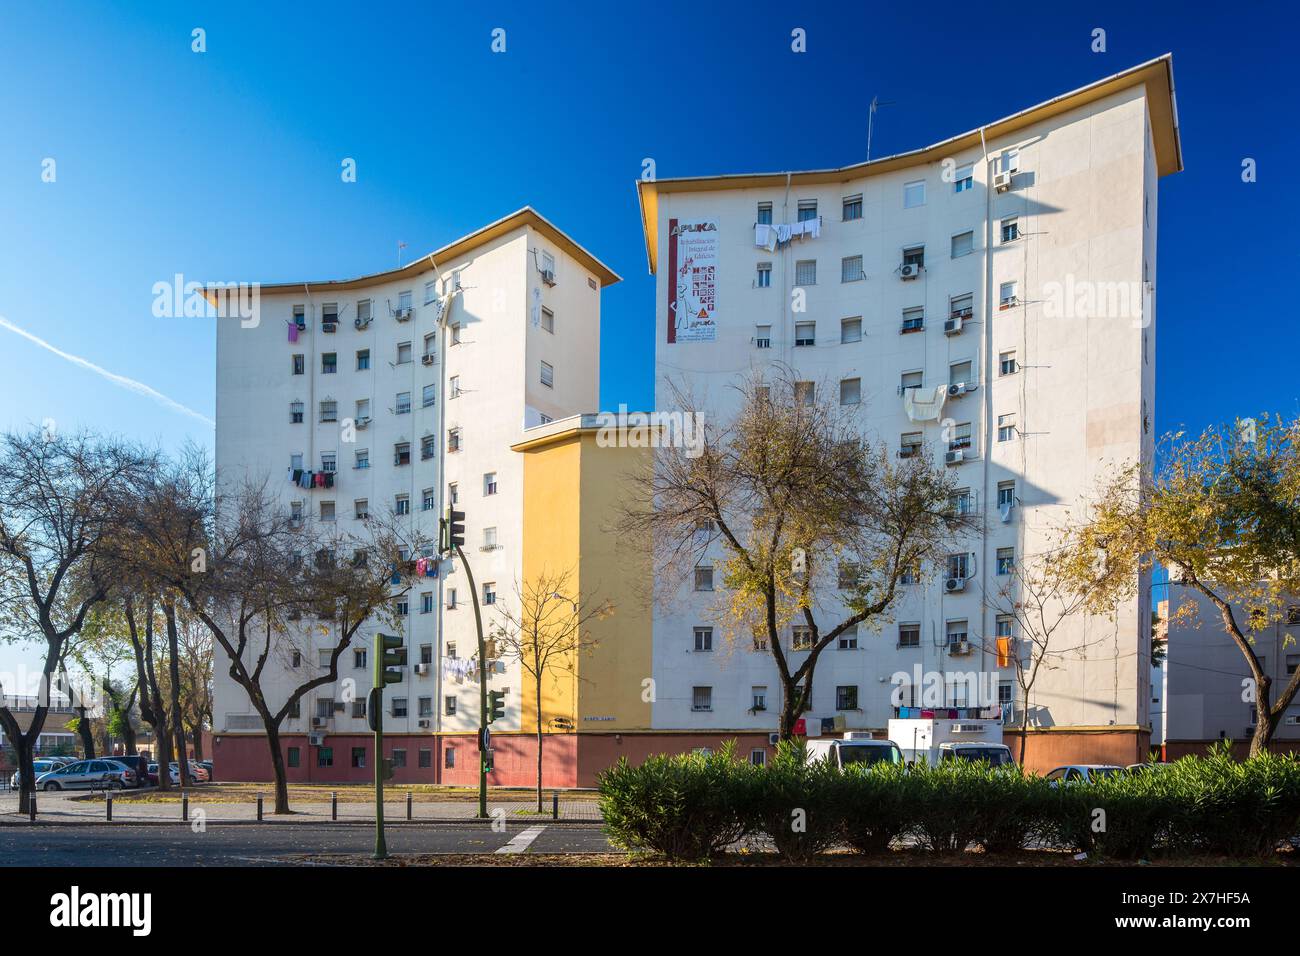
(482, 689)
(386, 653)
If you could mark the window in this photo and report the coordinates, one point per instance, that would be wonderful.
(807, 210)
(548, 263)
(962, 502)
(299, 365)
(913, 319)
(704, 577)
(404, 301)
(363, 359)
(403, 403)
(425, 759)
(402, 453)
(851, 269)
(914, 194)
(548, 375)
(329, 462)
(960, 437)
(914, 256)
(399, 707)
(1010, 229)
(757, 699)
(404, 354)
(909, 635)
(453, 387)
(295, 513)
(426, 653)
(805, 393)
(963, 244)
(427, 448)
(426, 602)
(428, 501)
(850, 391)
(295, 757)
(1009, 161)
(453, 439)
(363, 458)
(961, 306)
(805, 272)
(1006, 560)
(805, 334)
(909, 446)
(329, 363)
(850, 330)
(324, 756)
(701, 698)
(402, 606)
(1006, 427)
(852, 207)
(329, 313)
(764, 214)
(361, 508)
(763, 276)
(402, 505)
(1006, 494)
(358, 757)
(398, 757)
(1007, 295)
(455, 334)
(453, 493)
(424, 707)
(846, 697)
(329, 411)
(910, 380)
(849, 639)
(959, 373)
(449, 758)
(1292, 662)
(327, 511)
(1007, 362)
(956, 632)
(762, 336)
(429, 395)
(430, 346)
(490, 483)
(801, 638)
(295, 413)
(964, 178)
(957, 565)
(704, 638)
(1002, 626)
(490, 539)
(1006, 691)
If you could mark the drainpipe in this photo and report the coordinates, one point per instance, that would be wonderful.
(986, 373)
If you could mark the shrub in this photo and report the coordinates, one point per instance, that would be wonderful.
(949, 811)
(798, 804)
(878, 805)
(1233, 808)
(686, 807)
(1018, 810)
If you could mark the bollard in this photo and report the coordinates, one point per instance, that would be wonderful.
(334, 804)
(555, 805)
(31, 809)
(108, 807)
(408, 804)
(259, 808)
(185, 807)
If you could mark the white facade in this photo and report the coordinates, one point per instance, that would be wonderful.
(1076, 399)
(478, 375)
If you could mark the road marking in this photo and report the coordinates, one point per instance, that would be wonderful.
(523, 841)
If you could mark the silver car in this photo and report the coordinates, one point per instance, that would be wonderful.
(40, 766)
(87, 774)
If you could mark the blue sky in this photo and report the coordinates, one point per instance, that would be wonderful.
(225, 165)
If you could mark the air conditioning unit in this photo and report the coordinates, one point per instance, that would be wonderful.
(428, 359)
(422, 669)
(1002, 181)
(359, 323)
(952, 585)
(329, 326)
(960, 648)
(362, 422)
(958, 390)
(952, 326)
(548, 276)
(401, 315)
(425, 723)
(909, 270)
(773, 739)
(954, 457)
(315, 740)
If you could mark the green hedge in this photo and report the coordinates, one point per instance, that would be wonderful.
(693, 806)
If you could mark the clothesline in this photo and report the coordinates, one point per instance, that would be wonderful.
(771, 237)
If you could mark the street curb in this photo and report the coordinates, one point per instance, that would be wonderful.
(23, 823)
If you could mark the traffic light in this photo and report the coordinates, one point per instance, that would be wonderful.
(388, 653)
(496, 705)
(453, 530)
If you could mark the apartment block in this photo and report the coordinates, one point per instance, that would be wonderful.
(400, 393)
(988, 301)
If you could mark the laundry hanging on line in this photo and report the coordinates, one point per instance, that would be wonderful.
(924, 404)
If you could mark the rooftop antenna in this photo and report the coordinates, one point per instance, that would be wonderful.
(871, 120)
(400, 246)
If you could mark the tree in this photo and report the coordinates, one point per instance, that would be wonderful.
(547, 634)
(1220, 512)
(816, 524)
(240, 565)
(1037, 598)
(60, 501)
(195, 669)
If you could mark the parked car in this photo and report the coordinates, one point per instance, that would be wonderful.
(42, 765)
(175, 774)
(997, 755)
(853, 749)
(1144, 767)
(207, 765)
(198, 773)
(1083, 773)
(85, 774)
(130, 777)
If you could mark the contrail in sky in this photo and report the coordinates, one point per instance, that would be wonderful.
(121, 381)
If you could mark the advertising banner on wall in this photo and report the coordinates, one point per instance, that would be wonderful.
(692, 280)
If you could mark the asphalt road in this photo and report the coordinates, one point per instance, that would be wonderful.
(273, 844)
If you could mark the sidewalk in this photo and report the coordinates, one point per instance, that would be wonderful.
(62, 808)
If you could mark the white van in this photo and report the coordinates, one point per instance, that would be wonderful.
(854, 749)
(997, 755)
